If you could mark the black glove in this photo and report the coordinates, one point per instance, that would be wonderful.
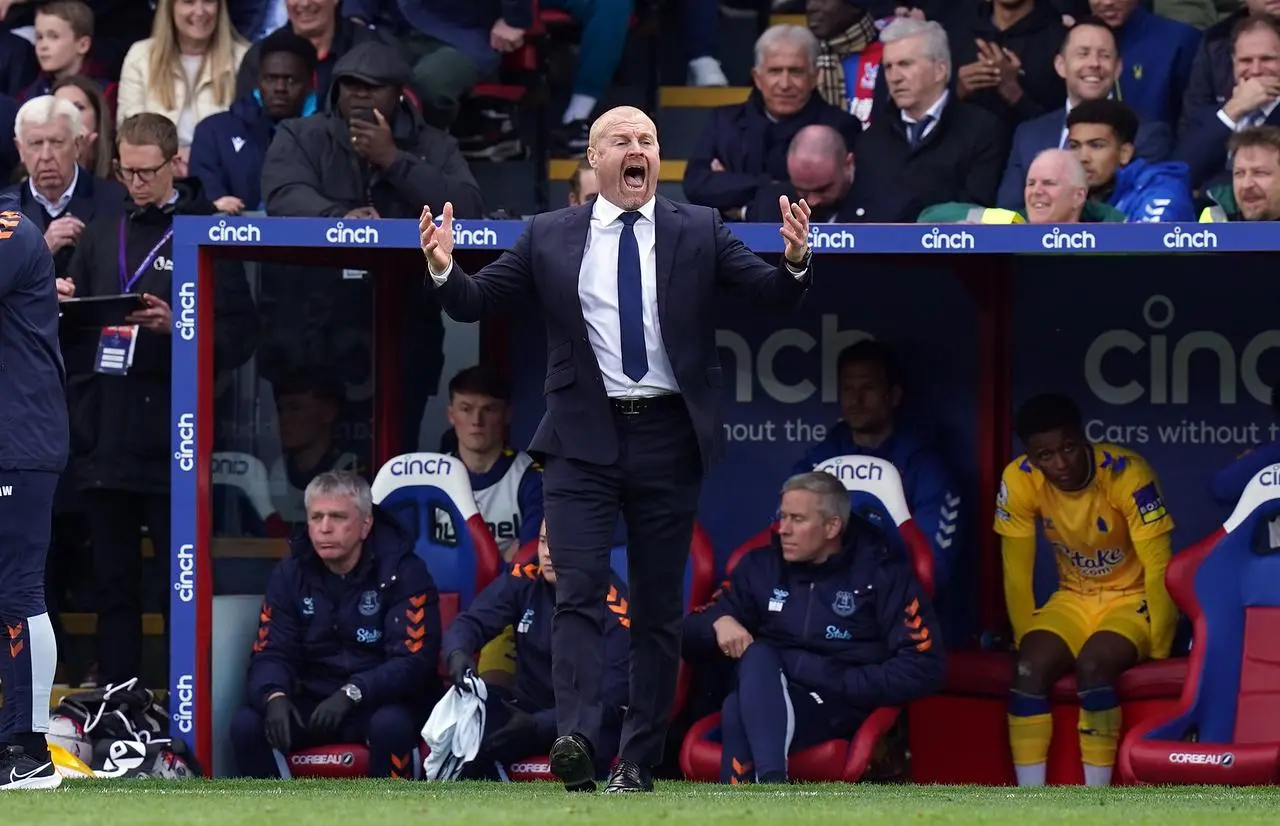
(460, 665)
(327, 719)
(519, 727)
(280, 717)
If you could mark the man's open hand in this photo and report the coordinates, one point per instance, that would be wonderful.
(795, 228)
(437, 241)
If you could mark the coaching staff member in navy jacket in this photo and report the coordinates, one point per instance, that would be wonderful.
(34, 442)
(521, 723)
(827, 624)
(348, 639)
(627, 285)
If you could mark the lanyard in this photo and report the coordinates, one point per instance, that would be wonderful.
(126, 283)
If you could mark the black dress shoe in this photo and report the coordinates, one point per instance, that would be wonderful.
(573, 761)
(628, 776)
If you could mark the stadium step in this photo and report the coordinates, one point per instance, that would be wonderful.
(561, 169)
(787, 20)
(701, 97)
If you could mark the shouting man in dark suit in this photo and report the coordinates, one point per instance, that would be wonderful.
(633, 391)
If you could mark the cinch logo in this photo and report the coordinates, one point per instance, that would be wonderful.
(936, 239)
(820, 239)
(1180, 239)
(241, 234)
(860, 472)
(1162, 375)
(344, 759)
(185, 715)
(1226, 760)
(481, 237)
(1270, 477)
(342, 234)
(762, 367)
(186, 584)
(186, 454)
(230, 467)
(422, 467)
(186, 323)
(1059, 240)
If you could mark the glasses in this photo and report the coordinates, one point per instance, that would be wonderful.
(145, 174)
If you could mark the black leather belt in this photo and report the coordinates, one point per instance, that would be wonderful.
(636, 406)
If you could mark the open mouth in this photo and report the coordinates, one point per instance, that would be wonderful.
(633, 175)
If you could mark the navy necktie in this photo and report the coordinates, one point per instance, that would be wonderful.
(635, 362)
(915, 131)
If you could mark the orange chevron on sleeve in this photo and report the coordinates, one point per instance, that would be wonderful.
(922, 634)
(413, 646)
(924, 646)
(414, 630)
(15, 639)
(913, 607)
(618, 605)
(418, 600)
(9, 221)
(914, 622)
(264, 629)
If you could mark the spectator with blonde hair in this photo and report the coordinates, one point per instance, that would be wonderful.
(186, 70)
(97, 145)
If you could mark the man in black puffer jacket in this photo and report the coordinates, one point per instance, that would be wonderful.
(120, 418)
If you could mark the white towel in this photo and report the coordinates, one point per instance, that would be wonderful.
(454, 730)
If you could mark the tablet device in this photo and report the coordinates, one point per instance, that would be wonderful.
(96, 311)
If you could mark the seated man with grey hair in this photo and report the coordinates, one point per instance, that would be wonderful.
(1056, 192)
(828, 624)
(743, 147)
(58, 195)
(348, 639)
(929, 142)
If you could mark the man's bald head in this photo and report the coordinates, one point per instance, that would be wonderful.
(616, 115)
(820, 167)
(1056, 188)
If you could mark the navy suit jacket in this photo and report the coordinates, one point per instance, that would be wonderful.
(695, 254)
(1204, 147)
(1154, 143)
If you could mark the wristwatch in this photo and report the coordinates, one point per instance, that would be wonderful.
(804, 263)
(353, 693)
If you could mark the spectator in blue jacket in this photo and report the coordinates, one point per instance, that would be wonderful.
(1101, 133)
(348, 639)
(827, 625)
(522, 722)
(229, 148)
(1157, 54)
(871, 392)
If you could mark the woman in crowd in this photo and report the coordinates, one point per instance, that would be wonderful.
(98, 144)
(186, 70)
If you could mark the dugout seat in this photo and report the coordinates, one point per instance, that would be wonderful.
(1225, 728)
(699, 584)
(836, 760)
(242, 503)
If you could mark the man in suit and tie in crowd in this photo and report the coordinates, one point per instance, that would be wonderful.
(633, 391)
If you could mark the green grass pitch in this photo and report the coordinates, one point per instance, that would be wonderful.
(391, 803)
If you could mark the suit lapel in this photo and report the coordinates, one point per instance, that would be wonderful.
(576, 226)
(667, 224)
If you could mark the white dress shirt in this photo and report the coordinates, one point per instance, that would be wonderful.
(1257, 117)
(598, 292)
(56, 208)
(934, 112)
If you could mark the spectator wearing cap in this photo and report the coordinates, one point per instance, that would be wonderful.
(230, 147)
(331, 34)
(744, 147)
(1004, 60)
(927, 142)
(370, 155)
(186, 69)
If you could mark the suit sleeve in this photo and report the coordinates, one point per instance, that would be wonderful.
(493, 609)
(736, 597)
(741, 270)
(1014, 179)
(719, 190)
(1227, 485)
(1203, 147)
(504, 284)
(1198, 99)
(983, 180)
(915, 666)
(529, 497)
(411, 637)
(278, 648)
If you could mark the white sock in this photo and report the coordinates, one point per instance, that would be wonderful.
(44, 662)
(1097, 775)
(579, 108)
(1031, 775)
